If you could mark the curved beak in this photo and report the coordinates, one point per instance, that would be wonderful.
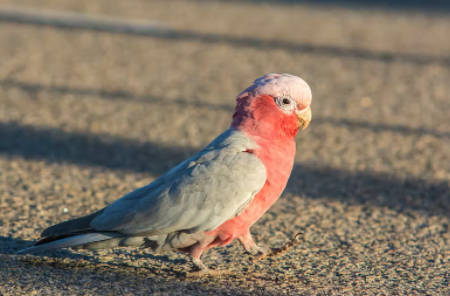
(304, 117)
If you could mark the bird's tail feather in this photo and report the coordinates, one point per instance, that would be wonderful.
(71, 241)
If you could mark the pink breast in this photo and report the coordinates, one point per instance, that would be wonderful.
(278, 162)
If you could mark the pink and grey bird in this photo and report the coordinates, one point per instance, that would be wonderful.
(213, 197)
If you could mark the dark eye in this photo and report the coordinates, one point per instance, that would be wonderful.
(286, 101)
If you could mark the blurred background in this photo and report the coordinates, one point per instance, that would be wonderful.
(99, 97)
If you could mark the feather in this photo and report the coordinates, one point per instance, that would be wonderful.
(71, 241)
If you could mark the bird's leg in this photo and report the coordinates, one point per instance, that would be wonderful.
(264, 252)
(196, 253)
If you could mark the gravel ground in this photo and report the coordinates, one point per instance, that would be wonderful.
(87, 116)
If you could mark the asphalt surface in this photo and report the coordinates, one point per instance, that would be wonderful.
(88, 115)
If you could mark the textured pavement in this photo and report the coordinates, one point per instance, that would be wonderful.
(87, 116)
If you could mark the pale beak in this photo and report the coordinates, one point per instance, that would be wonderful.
(304, 117)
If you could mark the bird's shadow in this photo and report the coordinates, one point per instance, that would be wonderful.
(104, 276)
(65, 258)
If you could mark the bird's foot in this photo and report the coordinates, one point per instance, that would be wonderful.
(264, 252)
(206, 272)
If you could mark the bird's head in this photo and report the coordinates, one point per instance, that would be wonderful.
(276, 104)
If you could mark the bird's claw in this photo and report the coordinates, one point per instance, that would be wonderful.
(265, 252)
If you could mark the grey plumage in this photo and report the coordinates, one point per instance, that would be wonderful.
(75, 240)
(198, 195)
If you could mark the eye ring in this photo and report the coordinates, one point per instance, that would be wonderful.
(286, 103)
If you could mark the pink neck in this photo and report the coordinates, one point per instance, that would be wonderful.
(261, 118)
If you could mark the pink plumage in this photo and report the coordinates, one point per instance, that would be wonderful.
(274, 130)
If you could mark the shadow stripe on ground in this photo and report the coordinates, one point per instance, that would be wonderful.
(78, 22)
(121, 95)
(366, 188)
(433, 6)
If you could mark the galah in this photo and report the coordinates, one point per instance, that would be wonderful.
(213, 197)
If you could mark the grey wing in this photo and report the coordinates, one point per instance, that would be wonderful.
(198, 195)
